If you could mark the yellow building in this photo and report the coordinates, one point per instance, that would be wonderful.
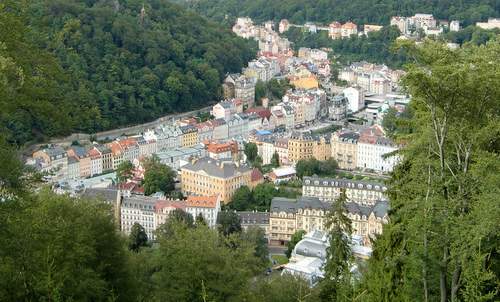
(345, 149)
(189, 135)
(300, 146)
(322, 149)
(207, 177)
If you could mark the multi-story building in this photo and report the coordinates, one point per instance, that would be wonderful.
(321, 148)
(205, 131)
(368, 28)
(335, 30)
(309, 214)
(355, 97)
(491, 24)
(95, 162)
(348, 29)
(117, 153)
(130, 148)
(189, 136)
(281, 147)
(225, 150)
(254, 220)
(147, 144)
(345, 149)
(290, 215)
(237, 126)
(206, 206)
(221, 130)
(54, 160)
(73, 167)
(207, 176)
(337, 111)
(374, 149)
(223, 110)
(368, 220)
(83, 159)
(283, 26)
(244, 89)
(137, 209)
(106, 156)
(300, 146)
(329, 189)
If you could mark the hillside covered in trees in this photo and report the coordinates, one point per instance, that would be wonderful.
(359, 11)
(77, 65)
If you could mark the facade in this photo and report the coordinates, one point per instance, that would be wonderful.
(329, 189)
(138, 209)
(290, 215)
(368, 220)
(322, 148)
(300, 146)
(335, 30)
(373, 148)
(220, 129)
(54, 160)
(345, 149)
(337, 111)
(206, 206)
(106, 156)
(95, 162)
(252, 219)
(73, 167)
(348, 29)
(189, 136)
(244, 89)
(355, 97)
(130, 149)
(208, 177)
(80, 153)
(455, 25)
(223, 110)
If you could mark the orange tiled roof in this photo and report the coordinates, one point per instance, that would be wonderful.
(202, 201)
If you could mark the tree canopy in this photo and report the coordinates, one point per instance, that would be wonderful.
(92, 65)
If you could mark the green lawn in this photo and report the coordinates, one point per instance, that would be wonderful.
(280, 259)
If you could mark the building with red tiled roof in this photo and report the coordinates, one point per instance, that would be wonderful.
(261, 111)
(256, 178)
(206, 206)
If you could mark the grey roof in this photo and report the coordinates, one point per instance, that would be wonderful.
(349, 137)
(288, 205)
(216, 168)
(80, 151)
(255, 218)
(72, 160)
(54, 151)
(103, 148)
(311, 248)
(108, 195)
(380, 209)
(188, 129)
(344, 183)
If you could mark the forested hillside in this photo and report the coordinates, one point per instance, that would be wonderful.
(93, 65)
(359, 11)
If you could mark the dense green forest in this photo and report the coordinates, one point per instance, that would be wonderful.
(359, 11)
(93, 65)
(441, 242)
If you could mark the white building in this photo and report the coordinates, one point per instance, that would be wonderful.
(455, 25)
(328, 189)
(138, 209)
(206, 206)
(355, 97)
(223, 110)
(373, 147)
(491, 24)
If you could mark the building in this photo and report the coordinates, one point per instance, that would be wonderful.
(337, 111)
(189, 136)
(223, 110)
(225, 150)
(206, 206)
(491, 24)
(355, 97)
(73, 167)
(244, 89)
(322, 148)
(300, 146)
(455, 25)
(178, 157)
(137, 209)
(129, 148)
(329, 189)
(283, 26)
(373, 150)
(95, 162)
(335, 30)
(207, 177)
(281, 174)
(368, 220)
(368, 28)
(345, 149)
(252, 219)
(53, 159)
(106, 156)
(348, 29)
(290, 215)
(80, 153)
